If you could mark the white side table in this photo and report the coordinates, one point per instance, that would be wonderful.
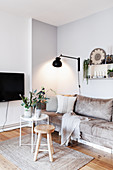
(32, 120)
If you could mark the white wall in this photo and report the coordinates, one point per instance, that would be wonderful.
(15, 56)
(19, 40)
(44, 50)
(79, 38)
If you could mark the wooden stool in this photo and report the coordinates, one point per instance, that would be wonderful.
(44, 129)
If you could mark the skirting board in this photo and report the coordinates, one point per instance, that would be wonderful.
(96, 146)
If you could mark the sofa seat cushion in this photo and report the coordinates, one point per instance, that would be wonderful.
(98, 128)
(93, 107)
(86, 126)
(103, 130)
(54, 118)
(98, 140)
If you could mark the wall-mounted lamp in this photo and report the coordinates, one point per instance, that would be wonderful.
(57, 63)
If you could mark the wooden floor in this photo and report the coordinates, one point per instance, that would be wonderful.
(102, 161)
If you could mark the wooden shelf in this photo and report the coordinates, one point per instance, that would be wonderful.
(108, 78)
(100, 64)
(100, 70)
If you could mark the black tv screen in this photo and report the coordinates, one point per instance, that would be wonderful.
(11, 86)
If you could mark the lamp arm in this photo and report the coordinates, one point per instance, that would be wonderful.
(69, 57)
(58, 63)
(73, 58)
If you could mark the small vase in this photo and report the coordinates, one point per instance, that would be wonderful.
(27, 113)
(38, 113)
(31, 110)
(110, 74)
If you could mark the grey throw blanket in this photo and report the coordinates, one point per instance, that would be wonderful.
(70, 126)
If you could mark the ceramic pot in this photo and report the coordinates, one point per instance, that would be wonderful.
(38, 113)
(110, 74)
(27, 113)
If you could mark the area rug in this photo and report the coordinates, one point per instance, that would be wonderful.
(64, 157)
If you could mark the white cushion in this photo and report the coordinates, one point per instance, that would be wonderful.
(71, 101)
(51, 105)
(65, 104)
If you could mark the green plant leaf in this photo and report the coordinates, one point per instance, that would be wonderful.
(85, 69)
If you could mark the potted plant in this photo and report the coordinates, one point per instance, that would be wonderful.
(36, 100)
(27, 106)
(86, 68)
(110, 72)
(28, 103)
(39, 100)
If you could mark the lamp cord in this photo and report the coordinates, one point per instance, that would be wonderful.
(79, 87)
(5, 116)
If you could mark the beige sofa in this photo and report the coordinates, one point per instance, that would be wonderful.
(99, 128)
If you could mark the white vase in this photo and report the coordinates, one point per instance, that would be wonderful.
(27, 113)
(38, 113)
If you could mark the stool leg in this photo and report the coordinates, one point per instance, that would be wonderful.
(49, 147)
(37, 146)
(51, 144)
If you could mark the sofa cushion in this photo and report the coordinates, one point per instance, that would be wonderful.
(86, 126)
(65, 104)
(97, 128)
(96, 108)
(52, 104)
(54, 117)
(103, 130)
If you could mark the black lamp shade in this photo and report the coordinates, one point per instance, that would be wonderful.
(57, 62)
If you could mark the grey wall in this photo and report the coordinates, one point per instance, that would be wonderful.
(44, 43)
(79, 38)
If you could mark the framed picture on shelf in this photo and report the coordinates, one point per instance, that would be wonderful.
(97, 56)
(109, 59)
